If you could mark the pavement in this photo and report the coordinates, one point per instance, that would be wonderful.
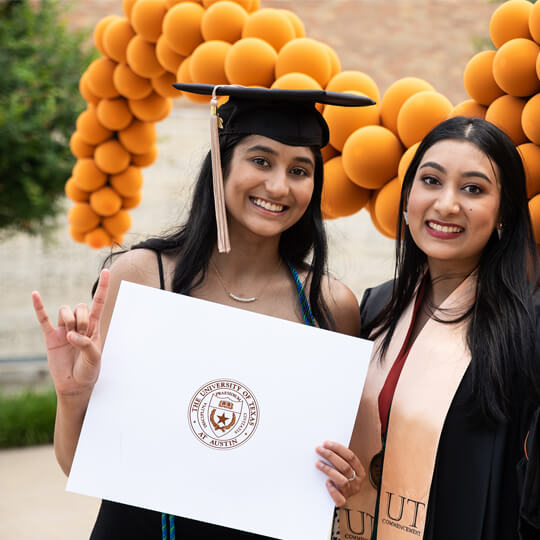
(33, 502)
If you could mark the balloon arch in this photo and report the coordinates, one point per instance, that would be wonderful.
(160, 42)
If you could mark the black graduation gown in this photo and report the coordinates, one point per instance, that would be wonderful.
(481, 471)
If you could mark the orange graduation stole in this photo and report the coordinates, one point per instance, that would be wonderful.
(434, 368)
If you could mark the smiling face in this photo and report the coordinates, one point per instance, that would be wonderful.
(269, 185)
(453, 205)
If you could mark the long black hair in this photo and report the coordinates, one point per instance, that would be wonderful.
(303, 245)
(501, 322)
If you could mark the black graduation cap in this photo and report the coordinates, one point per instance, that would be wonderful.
(287, 116)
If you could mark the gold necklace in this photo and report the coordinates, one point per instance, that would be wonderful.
(242, 299)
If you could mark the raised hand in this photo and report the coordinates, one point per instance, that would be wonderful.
(343, 468)
(74, 347)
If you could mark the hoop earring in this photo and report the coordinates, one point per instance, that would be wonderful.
(406, 217)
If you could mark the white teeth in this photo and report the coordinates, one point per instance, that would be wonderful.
(268, 205)
(444, 228)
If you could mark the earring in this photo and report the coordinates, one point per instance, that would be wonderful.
(500, 231)
(406, 217)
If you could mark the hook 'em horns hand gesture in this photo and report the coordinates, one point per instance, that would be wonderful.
(74, 347)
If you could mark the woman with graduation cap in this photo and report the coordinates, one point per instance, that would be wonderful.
(254, 239)
(447, 428)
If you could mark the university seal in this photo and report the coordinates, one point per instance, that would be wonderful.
(223, 414)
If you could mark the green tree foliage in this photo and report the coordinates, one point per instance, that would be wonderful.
(41, 61)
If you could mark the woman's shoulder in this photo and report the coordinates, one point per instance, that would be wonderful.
(374, 300)
(138, 266)
(343, 306)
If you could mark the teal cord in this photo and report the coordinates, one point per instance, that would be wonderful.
(171, 529)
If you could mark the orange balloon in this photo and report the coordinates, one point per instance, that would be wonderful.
(251, 62)
(420, 114)
(85, 91)
(77, 236)
(505, 113)
(255, 5)
(139, 137)
(82, 218)
(129, 84)
(396, 95)
(371, 156)
(169, 59)
(509, 21)
(534, 210)
(152, 108)
(100, 78)
(354, 80)
(340, 196)
(147, 18)
(184, 76)
(182, 27)
(530, 156)
(116, 37)
(478, 78)
(142, 59)
(223, 21)
(172, 3)
(534, 22)
(105, 201)
(79, 148)
(91, 130)
(74, 193)
(208, 62)
(469, 108)
(343, 121)
(405, 161)
(514, 67)
(127, 7)
(99, 30)
(305, 55)
(118, 224)
(297, 24)
(386, 206)
(131, 202)
(163, 86)
(98, 238)
(530, 119)
(87, 176)
(271, 25)
(114, 114)
(371, 210)
(128, 183)
(144, 160)
(111, 157)
(246, 4)
(328, 152)
(335, 62)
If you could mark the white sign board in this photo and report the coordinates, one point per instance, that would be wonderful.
(213, 413)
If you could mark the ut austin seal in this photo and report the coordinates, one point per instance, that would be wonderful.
(223, 414)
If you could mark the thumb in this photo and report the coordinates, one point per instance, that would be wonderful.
(85, 346)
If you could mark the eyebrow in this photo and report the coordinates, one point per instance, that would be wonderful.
(268, 150)
(467, 174)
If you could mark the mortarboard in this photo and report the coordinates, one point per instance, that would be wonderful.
(287, 116)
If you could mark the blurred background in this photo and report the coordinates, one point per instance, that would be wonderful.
(429, 39)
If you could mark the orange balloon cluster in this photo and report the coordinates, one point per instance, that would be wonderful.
(504, 86)
(159, 42)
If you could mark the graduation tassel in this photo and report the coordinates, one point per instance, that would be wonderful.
(223, 243)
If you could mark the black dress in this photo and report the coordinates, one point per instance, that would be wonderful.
(477, 492)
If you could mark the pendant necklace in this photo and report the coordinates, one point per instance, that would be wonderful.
(237, 298)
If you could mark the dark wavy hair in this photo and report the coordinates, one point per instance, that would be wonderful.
(501, 322)
(303, 245)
